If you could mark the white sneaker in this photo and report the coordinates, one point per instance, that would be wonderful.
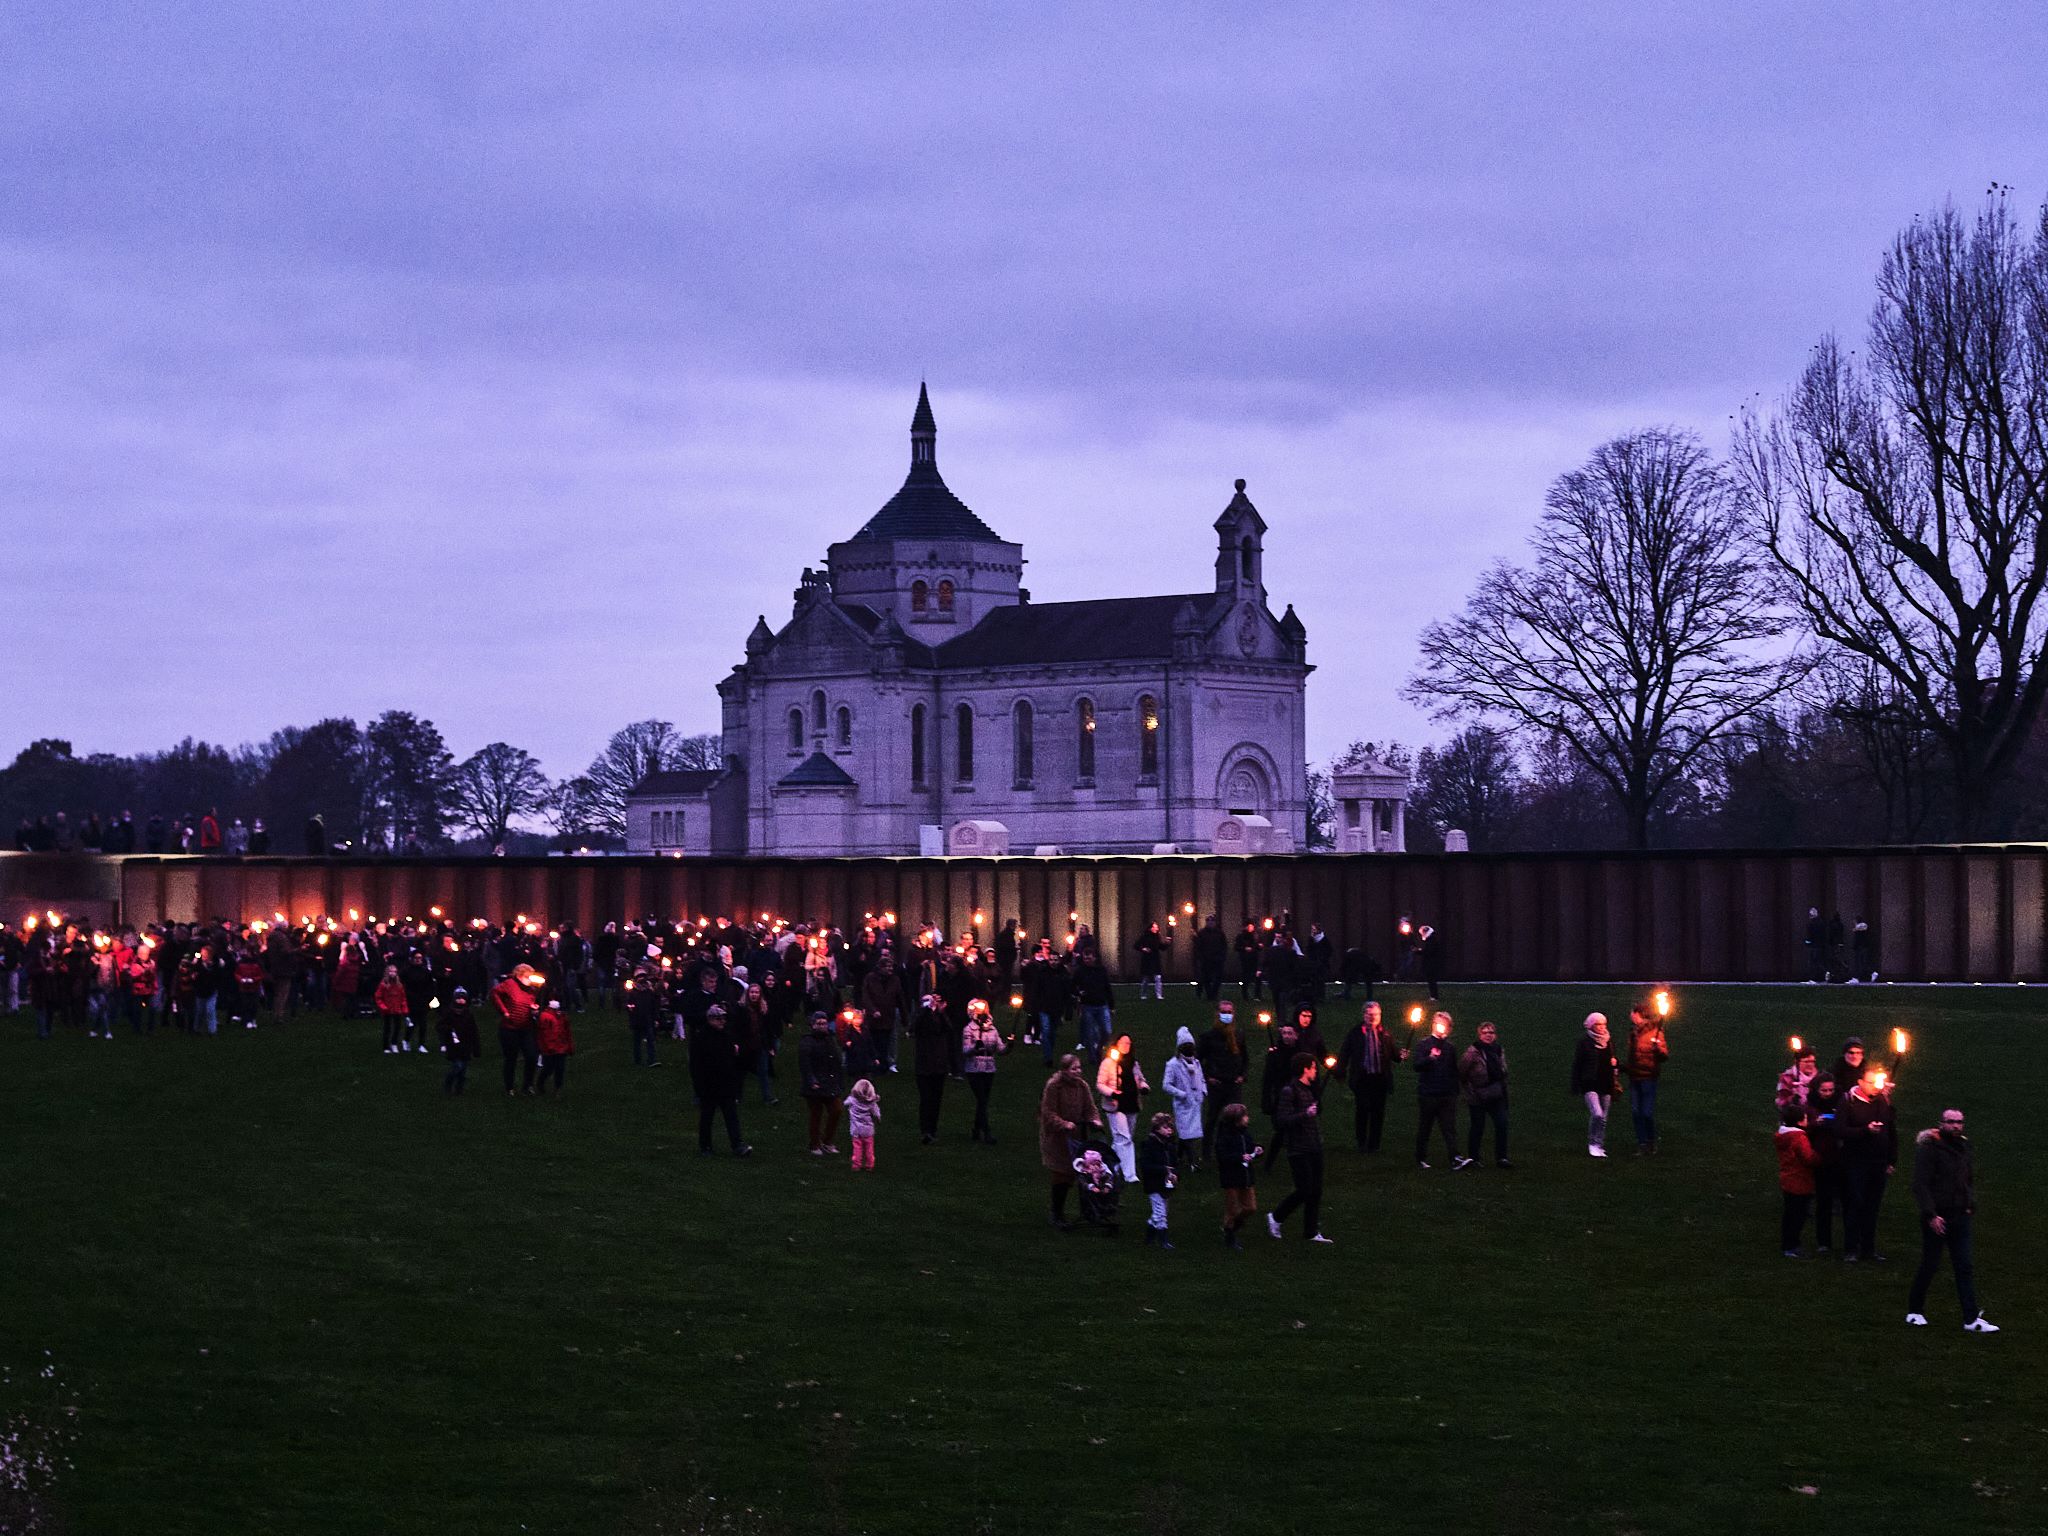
(1596, 1151)
(252, 1023)
(1273, 1228)
(1980, 1324)
(1916, 1319)
(1320, 1238)
(1459, 1164)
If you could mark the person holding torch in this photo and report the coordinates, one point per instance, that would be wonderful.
(1436, 1091)
(1648, 1050)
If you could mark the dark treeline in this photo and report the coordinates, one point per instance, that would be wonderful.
(391, 786)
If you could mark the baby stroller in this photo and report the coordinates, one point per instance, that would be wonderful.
(1096, 1177)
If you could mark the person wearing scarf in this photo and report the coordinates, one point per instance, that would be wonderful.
(1483, 1073)
(1596, 1078)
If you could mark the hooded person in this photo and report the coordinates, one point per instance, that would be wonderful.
(1596, 1079)
(457, 1025)
(1186, 1088)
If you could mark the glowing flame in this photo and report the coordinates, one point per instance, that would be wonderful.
(1663, 1004)
(1415, 1014)
(433, 911)
(1878, 1079)
(1265, 1021)
(1901, 1042)
(1797, 1045)
(1188, 907)
(1016, 999)
(354, 916)
(1268, 925)
(1329, 1062)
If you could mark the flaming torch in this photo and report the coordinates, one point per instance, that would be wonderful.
(1661, 1001)
(1901, 1043)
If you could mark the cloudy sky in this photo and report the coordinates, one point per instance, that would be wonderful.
(503, 363)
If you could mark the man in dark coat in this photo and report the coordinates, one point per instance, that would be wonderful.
(1870, 1150)
(930, 1035)
(1945, 1189)
(1365, 1061)
(1436, 1090)
(715, 1076)
(1297, 1118)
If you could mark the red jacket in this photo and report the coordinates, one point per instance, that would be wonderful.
(554, 1034)
(513, 1004)
(209, 833)
(1795, 1161)
(391, 996)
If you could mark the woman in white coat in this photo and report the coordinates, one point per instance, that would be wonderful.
(1186, 1087)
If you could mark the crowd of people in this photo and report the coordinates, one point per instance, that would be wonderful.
(885, 996)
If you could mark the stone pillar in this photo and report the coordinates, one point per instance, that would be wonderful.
(1400, 827)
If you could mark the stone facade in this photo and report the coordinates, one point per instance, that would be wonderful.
(917, 684)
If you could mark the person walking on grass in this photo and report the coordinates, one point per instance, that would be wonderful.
(1483, 1075)
(391, 1011)
(1945, 1189)
(556, 1046)
(821, 1072)
(863, 1113)
(1436, 1092)
(1298, 1117)
(715, 1075)
(980, 1044)
(1237, 1159)
(1066, 1113)
(514, 1003)
(1224, 1067)
(932, 1056)
(1596, 1080)
(1648, 1050)
(1795, 1179)
(1186, 1089)
(1158, 1174)
(1870, 1151)
(1365, 1062)
(1829, 1194)
(459, 1041)
(1121, 1088)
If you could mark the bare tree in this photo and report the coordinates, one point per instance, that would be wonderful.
(1637, 634)
(1472, 784)
(1904, 497)
(647, 746)
(495, 786)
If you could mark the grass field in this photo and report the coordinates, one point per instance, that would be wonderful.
(293, 1289)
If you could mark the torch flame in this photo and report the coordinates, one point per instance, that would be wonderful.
(1878, 1079)
(1016, 1000)
(1265, 1021)
(1798, 1045)
(1663, 1002)
(1901, 1042)
(1415, 1014)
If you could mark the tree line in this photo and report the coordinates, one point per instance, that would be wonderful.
(387, 786)
(1833, 633)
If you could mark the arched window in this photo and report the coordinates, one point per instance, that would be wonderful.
(796, 730)
(963, 743)
(1148, 737)
(1084, 767)
(1244, 558)
(818, 712)
(945, 597)
(920, 594)
(1020, 743)
(917, 745)
(843, 731)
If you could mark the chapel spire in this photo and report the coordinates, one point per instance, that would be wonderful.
(924, 431)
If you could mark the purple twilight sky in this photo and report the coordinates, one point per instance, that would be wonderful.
(502, 362)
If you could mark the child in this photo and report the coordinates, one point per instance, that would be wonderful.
(458, 1040)
(392, 1008)
(863, 1109)
(1236, 1164)
(1095, 1176)
(555, 1047)
(1795, 1178)
(1158, 1173)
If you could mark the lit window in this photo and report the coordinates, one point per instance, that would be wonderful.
(1148, 737)
(1085, 767)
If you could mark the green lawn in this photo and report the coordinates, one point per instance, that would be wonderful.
(296, 1290)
